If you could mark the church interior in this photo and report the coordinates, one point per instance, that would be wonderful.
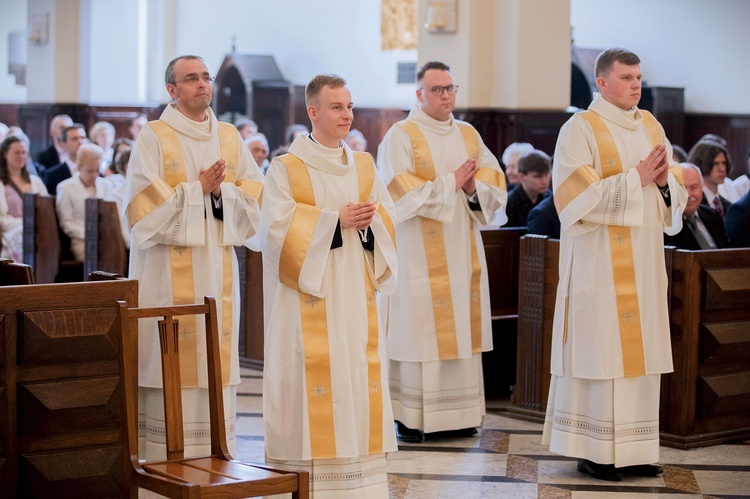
(523, 67)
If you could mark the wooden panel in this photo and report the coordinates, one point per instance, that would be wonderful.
(724, 395)
(94, 472)
(67, 336)
(538, 278)
(252, 320)
(105, 247)
(60, 407)
(727, 288)
(71, 406)
(724, 343)
(704, 401)
(501, 248)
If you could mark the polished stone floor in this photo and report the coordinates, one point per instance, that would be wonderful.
(506, 460)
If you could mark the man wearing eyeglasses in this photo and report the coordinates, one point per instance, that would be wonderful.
(445, 184)
(192, 193)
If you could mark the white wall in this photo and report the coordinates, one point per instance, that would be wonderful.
(700, 45)
(697, 44)
(118, 52)
(12, 19)
(305, 37)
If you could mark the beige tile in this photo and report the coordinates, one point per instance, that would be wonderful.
(723, 482)
(446, 463)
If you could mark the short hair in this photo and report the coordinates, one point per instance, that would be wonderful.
(101, 126)
(258, 137)
(292, 130)
(691, 166)
(534, 162)
(4, 172)
(74, 126)
(516, 149)
(703, 154)
(441, 66)
(607, 59)
(244, 122)
(89, 152)
(59, 117)
(355, 134)
(169, 73)
(681, 153)
(316, 85)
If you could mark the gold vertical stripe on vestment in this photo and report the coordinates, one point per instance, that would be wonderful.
(313, 320)
(471, 140)
(434, 246)
(621, 248)
(303, 223)
(366, 179)
(229, 147)
(181, 257)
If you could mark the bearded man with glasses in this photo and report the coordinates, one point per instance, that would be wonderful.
(445, 184)
(192, 193)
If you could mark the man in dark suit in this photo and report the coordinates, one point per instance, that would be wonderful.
(737, 223)
(73, 136)
(702, 226)
(544, 220)
(51, 156)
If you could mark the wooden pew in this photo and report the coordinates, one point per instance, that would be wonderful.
(60, 422)
(105, 248)
(15, 274)
(501, 248)
(250, 265)
(45, 247)
(706, 400)
(537, 289)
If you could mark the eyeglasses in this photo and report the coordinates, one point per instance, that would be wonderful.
(438, 90)
(193, 78)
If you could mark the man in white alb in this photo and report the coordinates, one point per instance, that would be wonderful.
(616, 195)
(446, 184)
(192, 193)
(328, 246)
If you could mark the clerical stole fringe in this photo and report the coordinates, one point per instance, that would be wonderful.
(621, 248)
(434, 242)
(313, 312)
(181, 257)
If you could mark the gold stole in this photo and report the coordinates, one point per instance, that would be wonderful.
(181, 257)
(434, 242)
(621, 248)
(313, 311)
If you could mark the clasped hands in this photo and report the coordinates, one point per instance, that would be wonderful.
(357, 215)
(655, 168)
(465, 177)
(212, 178)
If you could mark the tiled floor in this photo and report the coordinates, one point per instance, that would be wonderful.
(506, 460)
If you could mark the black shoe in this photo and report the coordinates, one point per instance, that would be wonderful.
(599, 471)
(408, 435)
(648, 470)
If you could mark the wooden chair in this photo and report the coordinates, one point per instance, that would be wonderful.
(105, 248)
(217, 475)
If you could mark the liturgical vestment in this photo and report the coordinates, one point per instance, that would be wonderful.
(610, 340)
(326, 407)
